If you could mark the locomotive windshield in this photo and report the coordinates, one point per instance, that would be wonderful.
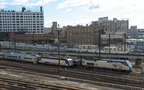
(129, 64)
(70, 61)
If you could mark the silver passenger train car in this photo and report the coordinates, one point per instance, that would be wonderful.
(37, 59)
(21, 57)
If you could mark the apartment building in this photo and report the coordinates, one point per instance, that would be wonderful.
(114, 26)
(27, 21)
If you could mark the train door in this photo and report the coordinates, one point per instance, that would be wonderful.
(19, 57)
(66, 63)
(36, 60)
(1, 55)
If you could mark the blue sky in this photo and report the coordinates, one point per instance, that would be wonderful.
(74, 12)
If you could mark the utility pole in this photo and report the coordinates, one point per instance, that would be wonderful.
(0, 46)
(99, 44)
(33, 38)
(59, 48)
(58, 36)
(124, 42)
(14, 43)
(109, 43)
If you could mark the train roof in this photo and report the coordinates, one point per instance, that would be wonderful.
(1, 52)
(19, 54)
(114, 60)
(56, 58)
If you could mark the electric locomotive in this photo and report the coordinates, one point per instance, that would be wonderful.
(113, 64)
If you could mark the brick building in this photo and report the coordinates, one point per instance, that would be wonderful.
(83, 35)
(32, 38)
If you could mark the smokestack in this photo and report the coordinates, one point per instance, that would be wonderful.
(41, 9)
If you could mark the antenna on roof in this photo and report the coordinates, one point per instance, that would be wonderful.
(23, 9)
(41, 9)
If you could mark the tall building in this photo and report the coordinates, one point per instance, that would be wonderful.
(54, 27)
(112, 26)
(83, 35)
(133, 32)
(24, 20)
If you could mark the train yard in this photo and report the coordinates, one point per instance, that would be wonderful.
(19, 79)
(126, 81)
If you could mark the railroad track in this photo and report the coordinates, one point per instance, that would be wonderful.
(25, 85)
(107, 80)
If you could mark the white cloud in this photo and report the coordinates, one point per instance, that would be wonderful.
(42, 2)
(30, 2)
(73, 3)
(104, 5)
(75, 22)
(68, 10)
(91, 9)
(120, 9)
(3, 5)
(19, 2)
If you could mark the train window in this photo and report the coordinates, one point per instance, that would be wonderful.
(29, 58)
(124, 63)
(92, 64)
(110, 61)
(66, 62)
